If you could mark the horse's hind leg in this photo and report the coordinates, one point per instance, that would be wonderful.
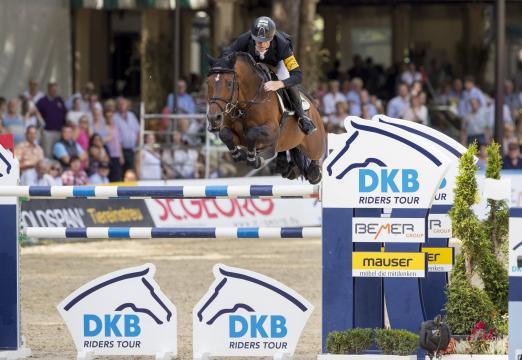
(231, 141)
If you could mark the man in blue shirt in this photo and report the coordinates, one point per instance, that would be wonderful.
(512, 161)
(399, 104)
(185, 103)
(470, 92)
(66, 147)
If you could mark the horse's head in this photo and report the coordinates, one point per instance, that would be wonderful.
(223, 90)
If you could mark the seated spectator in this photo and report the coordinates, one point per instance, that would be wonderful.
(109, 105)
(28, 152)
(476, 124)
(345, 87)
(335, 122)
(84, 95)
(75, 175)
(150, 160)
(471, 92)
(75, 114)
(416, 88)
(12, 121)
(512, 161)
(32, 93)
(354, 95)
(410, 74)
(509, 137)
(366, 100)
(83, 133)
(181, 163)
(398, 105)
(184, 104)
(332, 97)
(97, 153)
(130, 176)
(100, 177)
(67, 147)
(37, 176)
(417, 112)
(482, 156)
(55, 171)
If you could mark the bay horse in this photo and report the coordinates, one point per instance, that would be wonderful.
(248, 117)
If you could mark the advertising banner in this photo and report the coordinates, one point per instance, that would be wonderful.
(388, 264)
(122, 313)
(377, 230)
(245, 313)
(440, 259)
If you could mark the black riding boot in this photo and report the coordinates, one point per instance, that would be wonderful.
(305, 123)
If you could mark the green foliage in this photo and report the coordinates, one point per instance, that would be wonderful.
(466, 306)
(352, 341)
(495, 278)
(396, 342)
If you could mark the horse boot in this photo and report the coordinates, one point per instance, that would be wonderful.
(303, 121)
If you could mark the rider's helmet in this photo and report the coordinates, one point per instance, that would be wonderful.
(263, 29)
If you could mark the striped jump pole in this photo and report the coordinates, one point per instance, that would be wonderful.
(179, 233)
(163, 192)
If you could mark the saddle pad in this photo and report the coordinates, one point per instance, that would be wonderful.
(304, 101)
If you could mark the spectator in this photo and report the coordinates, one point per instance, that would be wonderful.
(150, 160)
(335, 122)
(67, 147)
(130, 176)
(75, 114)
(345, 87)
(129, 131)
(114, 148)
(3, 107)
(52, 109)
(398, 105)
(37, 176)
(508, 137)
(470, 92)
(185, 103)
(357, 70)
(181, 162)
(100, 177)
(370, 107)
(506, 114)
(28, 152)
(482, 157)
(82, 133)
(55, 171)
(511, 99)
(354, 96)
(110, 105)
(332, 97)
(83, 95)
(13, 122)
(32, 93)
(75, 175)
(365, 112)
(456, 92)
(98, 125)
(97, 153)
(30, 114)
(410, 74)
(512, 161)
(417, 112)
(192, 131)
(416, 88)
(476, 124)
(377, 103)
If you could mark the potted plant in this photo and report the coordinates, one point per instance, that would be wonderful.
(393, 344)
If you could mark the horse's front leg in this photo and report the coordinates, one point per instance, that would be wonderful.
(231, 140)
(259, 134)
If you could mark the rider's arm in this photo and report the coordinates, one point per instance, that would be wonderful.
(296, 76)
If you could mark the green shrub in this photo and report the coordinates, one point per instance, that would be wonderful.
(396, 342)
(352, 341)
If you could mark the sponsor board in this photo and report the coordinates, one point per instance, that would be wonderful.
(439, 226)
(388, 264)
(373, 230)
(515, 246)
(385, 178)
(440, 259)
(245, 313)
(84, 213)
(241, 212)
(121, 313)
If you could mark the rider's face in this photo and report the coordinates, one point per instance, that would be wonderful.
(262, 46)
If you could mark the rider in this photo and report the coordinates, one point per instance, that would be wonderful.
(267, 45)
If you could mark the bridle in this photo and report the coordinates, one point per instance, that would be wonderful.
(234, 108)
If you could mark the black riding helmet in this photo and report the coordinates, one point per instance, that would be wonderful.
(263, 29)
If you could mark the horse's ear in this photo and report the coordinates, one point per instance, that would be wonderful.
(211, 60)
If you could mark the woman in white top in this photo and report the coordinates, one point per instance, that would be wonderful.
(150, 160)
(417, 112)
(75, 113)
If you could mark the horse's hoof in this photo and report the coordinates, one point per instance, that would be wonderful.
(292, 171)
(239, 155)
(256, 164)
(281, 166)
(313, 174)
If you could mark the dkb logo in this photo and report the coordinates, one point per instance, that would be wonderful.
(388, 180)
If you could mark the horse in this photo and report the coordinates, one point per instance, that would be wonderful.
(237, 296)
(247, 117)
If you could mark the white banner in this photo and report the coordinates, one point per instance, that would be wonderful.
(377, 230)
(439, 226)
(234, 212)
(515, 246)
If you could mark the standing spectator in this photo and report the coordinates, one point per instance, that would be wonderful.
(354, 96)
(371, 109)
(75, 175)
(410, 74)
(512, 161)
(30, 115)
(399, 104)
(185, 103)
(55, 171)
(67, 147)
(28, 152)
(470, 92)
(129, 130)
(97, 153)
(13, 122)
(508, 138)
(114, 148)
(82, 133)
(52, 109)
(98, 125)
(181, 162)
(37, 176)
(416, 88)
(84, 95)
(150, 160)
(476, 124)
(74, 115)
(335, 122)
(417, 112)
(511, 99)
(101, 176)
(332, 97)
(32, 93)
